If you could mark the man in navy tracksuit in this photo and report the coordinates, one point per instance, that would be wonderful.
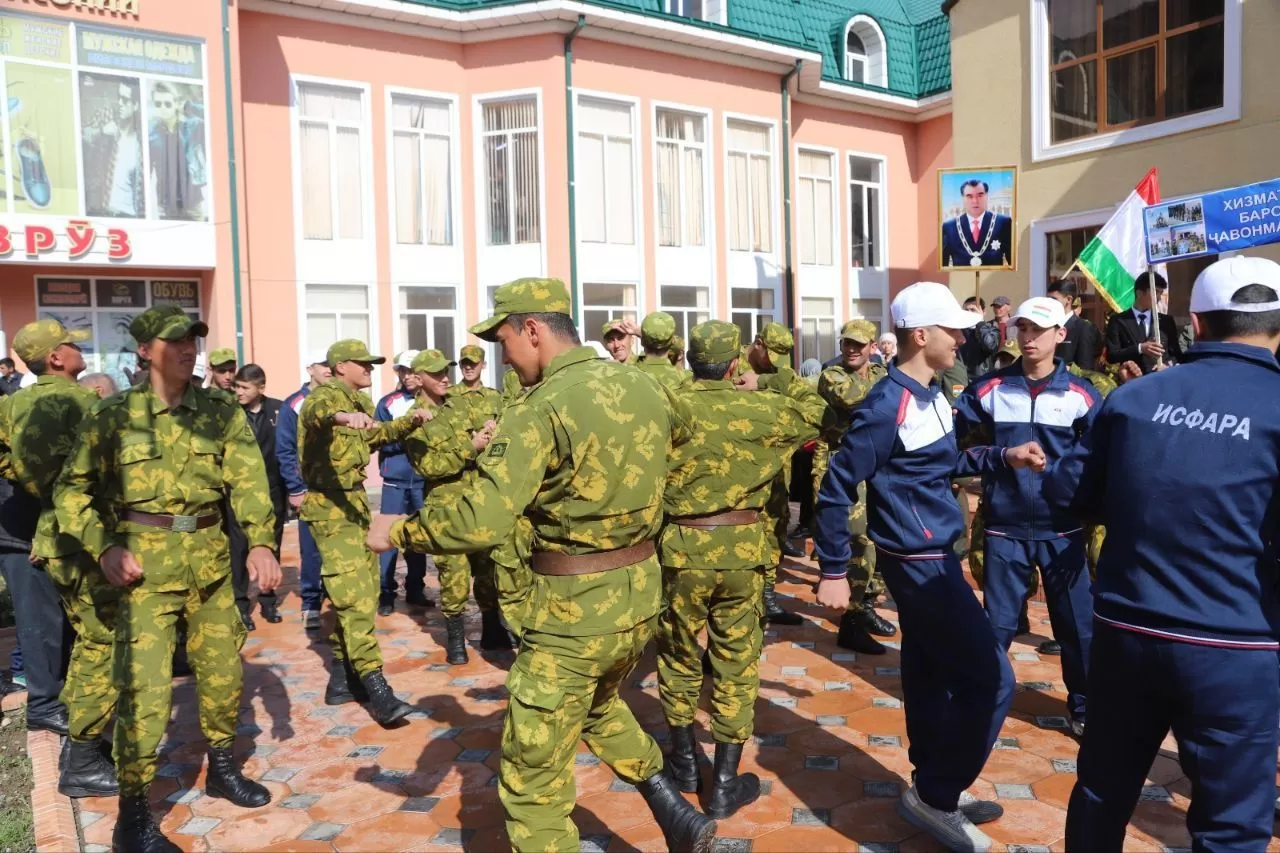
(309, 583)
(402, 491)
(956, 680)
(1183, 468)
(1034, 399)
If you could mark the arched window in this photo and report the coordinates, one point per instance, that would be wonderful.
(864, 52)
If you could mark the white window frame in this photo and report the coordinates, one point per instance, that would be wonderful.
(884, 206)
(708, 173)
(836, 218)
(776, 213)
(1042, 147)
(590, 334)
(637, 209)
(713, 11)
(455, 166)
(679, 310)
(454, 315)
(371, 295)
(833, 316)
(367, 224)
(1040, 231)
(479, 102)
(875, 61)
(776, 312)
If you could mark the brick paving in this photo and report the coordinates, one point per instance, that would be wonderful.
(830, 746)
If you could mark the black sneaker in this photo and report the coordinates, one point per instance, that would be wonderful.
(386, 606)
(1050, 647)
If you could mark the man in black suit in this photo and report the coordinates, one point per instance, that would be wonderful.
(1080, 347)
(977, 237)
(1129, 335)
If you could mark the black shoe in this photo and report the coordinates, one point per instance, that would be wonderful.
(137, 831)
(494, 636)
(386, 608)
(249, 624)
(774, 614)
(1050, 647)
(682, 761)
(855, 638)
(225, 781)
(684, 827)
(8, 685)
(384, 707)
(731, 791)
(418, 599)
(456, 643)
(344, 685)
(271, 612)
(790, 550)
(87, 772)
(55, 721)
(1024, 621)
(872, 622)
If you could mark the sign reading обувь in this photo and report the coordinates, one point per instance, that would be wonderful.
(127, 8)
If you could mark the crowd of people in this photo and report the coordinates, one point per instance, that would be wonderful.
(603, 499)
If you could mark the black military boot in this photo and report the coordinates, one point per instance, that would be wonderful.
(685, 828)
(774, 614)
(855, 638)
(731, 791)
(137, 831)
(383, 704)
(494, 636)
(87, 772)
(871, 621)
(224, 780)
(344, 685)
(682, 762)
(456, 643)
(270, 611)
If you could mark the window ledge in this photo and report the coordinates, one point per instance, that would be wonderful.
(1134, 135)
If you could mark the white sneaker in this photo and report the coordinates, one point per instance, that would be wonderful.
(979, 811)
(952, 829)
(311, 620)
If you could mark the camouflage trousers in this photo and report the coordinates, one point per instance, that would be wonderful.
(145, 634)
(729, 604)
(512, 576)
(777, 514)
(457, 573)
(863, 578)
(89, 691)
(351, 578)
(564, 689)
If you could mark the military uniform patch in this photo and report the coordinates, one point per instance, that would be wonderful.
(499, 450)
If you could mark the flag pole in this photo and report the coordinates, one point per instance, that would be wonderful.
(1155, 309)
(977, 285)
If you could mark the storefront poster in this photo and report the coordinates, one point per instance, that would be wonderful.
(41, 154)
(118, 348)
(111, 140)
(1228, 220)
(23, 37)
(62, 292)
(184, 294)
(179, 161)
(121, 293)
(123, 50)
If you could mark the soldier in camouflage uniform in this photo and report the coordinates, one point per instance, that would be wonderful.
(582, 456)
(617, 335)
(843, 386)
(657, 334)
(713, 551)
(676, 353)
(141, 494)
(38, 429)
(336, 429)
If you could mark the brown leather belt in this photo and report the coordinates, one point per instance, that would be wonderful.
(176, 523)
(561, 565)
(731, 518)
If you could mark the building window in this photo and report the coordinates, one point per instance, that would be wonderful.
(864, 52)
(603, 302)
(335, 312)
(1116, 64)
(752, 308)
(867, 309)
(428, 318)
(817, 329)
(604, 173)
(750, 195)
(688, 305)
(510, 153)
(702, 10)
(421, 179)
(682, 180)
(815, 195)
(865, 251)
(330, 121)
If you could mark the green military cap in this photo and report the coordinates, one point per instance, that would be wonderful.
(351, 350)
(431, 361)
(166, 322)
(221, 356)
(858, 331)
(610, 326)
(471, 353)
(523, 296)
(677, 343)
(1011, 349)
(778, 341)
(35, 341)
(657, 330)
(714, 342)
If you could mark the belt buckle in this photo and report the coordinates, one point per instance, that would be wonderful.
(184, 524)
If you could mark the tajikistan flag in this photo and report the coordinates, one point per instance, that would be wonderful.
(1117, 256)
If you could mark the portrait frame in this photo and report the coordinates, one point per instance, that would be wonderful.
(957, 251)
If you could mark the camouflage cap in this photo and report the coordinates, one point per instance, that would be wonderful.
(859, 331)
(778, 341)
(523, 296)
(351, 350)
(677, 343)
(1011, 349)
(714, 342)
(166, 322)
(471, 353)
(221, 356)
(657, 330)
(611, 326)
(35, 341)
(431, 361)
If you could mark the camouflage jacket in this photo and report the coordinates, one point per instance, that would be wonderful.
(38, 431)
(1101, 381)
(661, 369)
(582, 455)
(134, 453)
(482, 404)
(441, 450)
(842, 390)
(741, 441)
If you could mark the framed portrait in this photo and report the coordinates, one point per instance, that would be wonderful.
(977, 216)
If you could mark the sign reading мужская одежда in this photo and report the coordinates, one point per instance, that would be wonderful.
(1211, 223)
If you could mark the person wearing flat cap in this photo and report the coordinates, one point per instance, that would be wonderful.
(141, 494)
(617, 335)
(657, 335)
(336, 431)
(222, 369)
(676, 353)
(582, 456)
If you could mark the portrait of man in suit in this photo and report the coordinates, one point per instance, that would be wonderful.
(976, 222)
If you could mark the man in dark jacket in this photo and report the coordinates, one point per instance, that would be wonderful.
(980, 342)
(309, 583)
(1081, 345)
(1130, 334)
(402, 491)
(263, 413)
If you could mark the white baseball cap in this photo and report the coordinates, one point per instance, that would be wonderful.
(318, 356)
(405, 359)
(1220, 280)
(1043, 311)
(927, 303)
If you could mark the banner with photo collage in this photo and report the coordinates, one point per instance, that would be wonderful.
(126, 107)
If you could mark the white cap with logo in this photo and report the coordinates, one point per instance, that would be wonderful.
(1220, 281)
(927, 303)
(405, 359)
(1043, 311)
(317, 357)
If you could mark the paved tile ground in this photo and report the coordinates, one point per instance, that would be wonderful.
(830, 745)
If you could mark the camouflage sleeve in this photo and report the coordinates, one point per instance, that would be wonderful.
(318, 410)
(79, 484)
(839, 390)
(681, 415)
(245, 476)
(7, 470)
(439, 449)
(808, 404)
(391, 431)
